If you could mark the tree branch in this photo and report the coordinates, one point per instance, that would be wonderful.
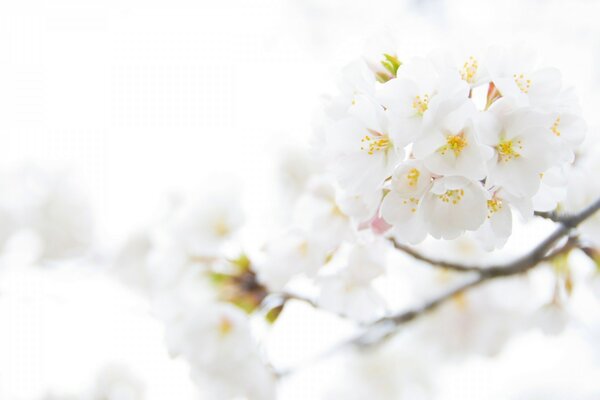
(387, 326)
(551, 215)
(436, 263)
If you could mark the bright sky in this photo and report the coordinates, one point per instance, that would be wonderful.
(142, 98)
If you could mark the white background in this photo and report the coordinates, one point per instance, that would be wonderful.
(142, 98)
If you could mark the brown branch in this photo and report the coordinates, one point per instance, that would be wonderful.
(387, 326)
(436, 263)
(566, 222)
(286, 296)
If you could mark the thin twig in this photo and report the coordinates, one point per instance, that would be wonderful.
(437, 263)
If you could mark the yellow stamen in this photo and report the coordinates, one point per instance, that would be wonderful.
(303, 248)
(522, 82)
(455, 143)
(225, 326)
(452, 196)
(554, 127)
(421, 104)
(413, 177)
(493, 205)
(336, 211)
(376, 143)
(221, 228)
(469, 69)
(506, 150)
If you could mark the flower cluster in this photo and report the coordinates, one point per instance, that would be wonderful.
(204, 292)
(448, 145)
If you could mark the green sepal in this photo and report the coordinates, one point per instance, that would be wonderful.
(391, 63)
(272, 315)
(242, 262)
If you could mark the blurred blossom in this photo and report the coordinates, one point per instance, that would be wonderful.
(481, 321)
(203, 224)
(583, 188)
(401, 369)
(348, 290)
(117, 383)
(551, 318)
(114, 382)
(49, 209)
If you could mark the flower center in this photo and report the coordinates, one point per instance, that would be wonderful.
(225, 326)
(506, 150)
(493, 205)
(421, 104)
(336, 211)
(469, 69)
(522, 82)
(303, 248)
(375, 143)
(452, 196)
(454, 143)
(413, 177)
(554, 127)
(221, 228)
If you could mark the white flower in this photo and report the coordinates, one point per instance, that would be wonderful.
(497, 227)
(516, 75)
(167, 262)
(349, 290)
(452, 147)
(356, 79)
(400, 207)
(411, 179)
(452, 206)
(203, 224)
(418, 97)
(399, 369)
(362, 153)
(479, 321)
(216, 340)
(361, 207)
(214, 336)
(552, 190)
(567, 132)
(248, 379)
(317, 211)
(467, 65)
(293, 253)
(294, 171)
(522, 148)
(582, 191)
